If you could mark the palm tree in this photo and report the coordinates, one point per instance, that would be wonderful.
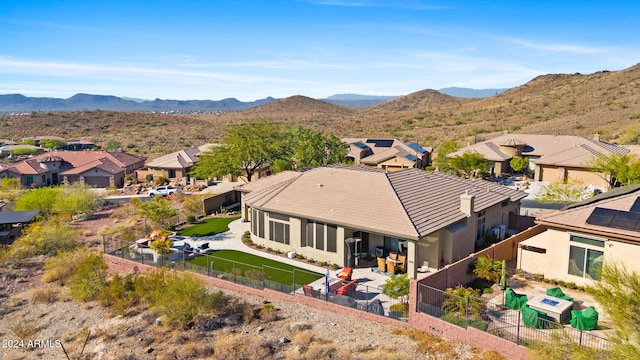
(488, 269)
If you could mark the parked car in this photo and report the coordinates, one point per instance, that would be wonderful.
(163, 191)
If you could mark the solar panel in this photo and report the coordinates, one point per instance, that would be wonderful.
(624, 220)
(411, 157)
(601, 217)
(360, 145)
(381, 142)
(417, 148)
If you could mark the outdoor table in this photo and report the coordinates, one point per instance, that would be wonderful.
(556, 308)
(395, 261)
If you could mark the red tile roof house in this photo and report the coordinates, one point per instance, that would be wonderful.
(427, 215)
(552, 157)
(96, 168)
(582, 237)
(388, 154)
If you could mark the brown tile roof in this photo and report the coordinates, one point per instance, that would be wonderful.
(410, 203)
(77, 162)
(575, 217)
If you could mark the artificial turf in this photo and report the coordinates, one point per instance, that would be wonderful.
(207, 227)
(223, 260)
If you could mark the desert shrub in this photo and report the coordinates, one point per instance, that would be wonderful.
(268, 312)
(90, 277)
(253, 274)
(44, 295)
(335, 266)
(179, 298)
(48, 237)
(461, 301)
(431, 344)
(456, 319)
(303, 339)
(161, 180)
(119, 294)
(23, 329)
(191, 219)
(149, 177)
(238, 346)
(62, 266)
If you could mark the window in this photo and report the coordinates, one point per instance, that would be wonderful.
(331, 238)
(309, 237)
(261, 224)
(279, 228)
(320, 236)
(172, 173)
(584, 260)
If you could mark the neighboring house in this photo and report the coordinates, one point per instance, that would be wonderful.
(12, 223)
(582, 237)
(96, 168)
(388, 154)
(551, 157)
(427, 215)
(174, 166)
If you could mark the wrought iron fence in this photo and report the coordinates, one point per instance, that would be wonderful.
(362, 297)
(500, 320)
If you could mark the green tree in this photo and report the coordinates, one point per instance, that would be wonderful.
(90, 277)
(42, 199)
(462, 302)
(158, 210)
(77, 199)
(618, 293)
(616, 168)
(487, 268)
(305, 148)
(519, 163)
(441, 161)
(245, 148)
(46, 237)
(470, 165)
(54, 144)
(9, 183)
(397, 286)
(563, 192)
(113, 145)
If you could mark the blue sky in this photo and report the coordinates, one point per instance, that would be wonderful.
(249, 50)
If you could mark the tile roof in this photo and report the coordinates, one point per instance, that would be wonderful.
(178, 160)
(410, 203)
(379, 150)
(575, 217)
(77, 162)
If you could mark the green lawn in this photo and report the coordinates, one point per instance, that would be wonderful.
(209, 226)
(223, 261)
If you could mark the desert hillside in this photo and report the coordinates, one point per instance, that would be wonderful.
(605, 102)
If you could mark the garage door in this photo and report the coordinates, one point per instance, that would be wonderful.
(97, 181)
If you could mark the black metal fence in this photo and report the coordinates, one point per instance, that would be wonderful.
(501, 321)
(361, 296)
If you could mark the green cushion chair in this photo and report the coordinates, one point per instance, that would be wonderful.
(514, 300)
(532, 317)
(586, 319)
(557, 293)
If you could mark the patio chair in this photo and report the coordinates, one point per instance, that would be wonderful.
(402, 267)
(382, 266)
(393, 255)
(557, 293)
(532, 317)
(586, 319)
(514, 300)
(391, 267)
(310, 291)
(424, 268)
(345, 274)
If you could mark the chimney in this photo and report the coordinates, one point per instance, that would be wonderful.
(596, 137)
(466, 203)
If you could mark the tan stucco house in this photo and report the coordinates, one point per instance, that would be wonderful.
(582, 237)
(429, 216)
(174, 166)
(388, 154)
(551, 157)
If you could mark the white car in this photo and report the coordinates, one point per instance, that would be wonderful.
(163, 191)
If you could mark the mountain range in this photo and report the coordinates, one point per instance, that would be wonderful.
(78, 102)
